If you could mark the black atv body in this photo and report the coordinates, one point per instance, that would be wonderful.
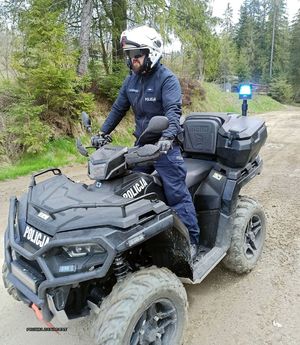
(67, 243)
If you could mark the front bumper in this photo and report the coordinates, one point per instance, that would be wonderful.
(33, 287)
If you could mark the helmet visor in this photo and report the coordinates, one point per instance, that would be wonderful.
(136, 53)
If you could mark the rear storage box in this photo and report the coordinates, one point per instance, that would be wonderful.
(232, 139)
(239, 140)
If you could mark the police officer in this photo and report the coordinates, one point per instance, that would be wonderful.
(151, 89)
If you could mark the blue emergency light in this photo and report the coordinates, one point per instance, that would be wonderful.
(245, 91)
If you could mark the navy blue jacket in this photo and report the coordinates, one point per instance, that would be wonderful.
(151, 94)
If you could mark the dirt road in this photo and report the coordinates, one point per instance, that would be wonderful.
(262, 307)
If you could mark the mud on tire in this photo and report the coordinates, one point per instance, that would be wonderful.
(148, 305)
(249, 232)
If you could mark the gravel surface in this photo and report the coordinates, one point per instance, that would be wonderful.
(262, 307)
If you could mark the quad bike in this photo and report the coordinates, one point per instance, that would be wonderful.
(114, 249)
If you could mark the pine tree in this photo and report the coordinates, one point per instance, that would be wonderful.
(227, 21)
(47, 63)
(246, 39)
(294, 66)
(262, 41)
(228, 53)
(262, 38)
(278, 39)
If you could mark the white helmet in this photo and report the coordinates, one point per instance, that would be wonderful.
(143, 37)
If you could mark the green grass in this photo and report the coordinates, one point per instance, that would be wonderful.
(63, 152)
(124, 137)
(58, 153)
(217, 100)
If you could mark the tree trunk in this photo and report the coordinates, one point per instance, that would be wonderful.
(104, 52)
(119, 15)
(273, 39)
(84, 39)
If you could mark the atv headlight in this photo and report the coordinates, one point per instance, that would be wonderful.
(79, 250)
(97, 171)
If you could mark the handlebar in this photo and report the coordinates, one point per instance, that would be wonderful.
(99, 140)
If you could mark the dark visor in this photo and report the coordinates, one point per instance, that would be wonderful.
(136, 53)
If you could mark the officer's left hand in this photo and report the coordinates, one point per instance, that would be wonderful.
(165, 144)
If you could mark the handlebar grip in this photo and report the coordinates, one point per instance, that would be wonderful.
(145, 154)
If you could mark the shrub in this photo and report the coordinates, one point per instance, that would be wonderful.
(24, 129)
(47, 66)
(108, 85)
(281, 90)
(191, 88)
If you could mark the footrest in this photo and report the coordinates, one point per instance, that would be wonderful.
(205, 264)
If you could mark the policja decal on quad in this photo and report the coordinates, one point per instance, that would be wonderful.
(135, 189)
(35, 236)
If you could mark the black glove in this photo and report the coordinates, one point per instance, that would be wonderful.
(100, 139)
(165, 144)
(107, 137)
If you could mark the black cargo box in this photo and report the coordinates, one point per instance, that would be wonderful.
(232, 139)
(239, 140)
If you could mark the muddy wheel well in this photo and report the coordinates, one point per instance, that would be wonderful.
(171, 249)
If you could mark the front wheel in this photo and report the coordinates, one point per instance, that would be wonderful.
(148, 307)
(249, 232)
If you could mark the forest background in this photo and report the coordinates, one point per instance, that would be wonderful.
(58, 58)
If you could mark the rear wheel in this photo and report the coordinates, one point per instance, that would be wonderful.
(249, 232)
(148, 307)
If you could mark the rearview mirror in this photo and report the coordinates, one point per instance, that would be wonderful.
(157, 124)
(152, 133)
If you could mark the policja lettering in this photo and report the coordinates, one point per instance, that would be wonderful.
(150, 99)
(35, 236)
(135, 189)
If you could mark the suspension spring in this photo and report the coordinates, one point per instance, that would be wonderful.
(120, 267)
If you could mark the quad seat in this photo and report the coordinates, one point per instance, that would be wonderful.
(197, 170)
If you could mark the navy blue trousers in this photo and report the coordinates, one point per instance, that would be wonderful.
(172, 172)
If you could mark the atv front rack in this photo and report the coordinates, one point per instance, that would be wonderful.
(150, 196)
(55, 171)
